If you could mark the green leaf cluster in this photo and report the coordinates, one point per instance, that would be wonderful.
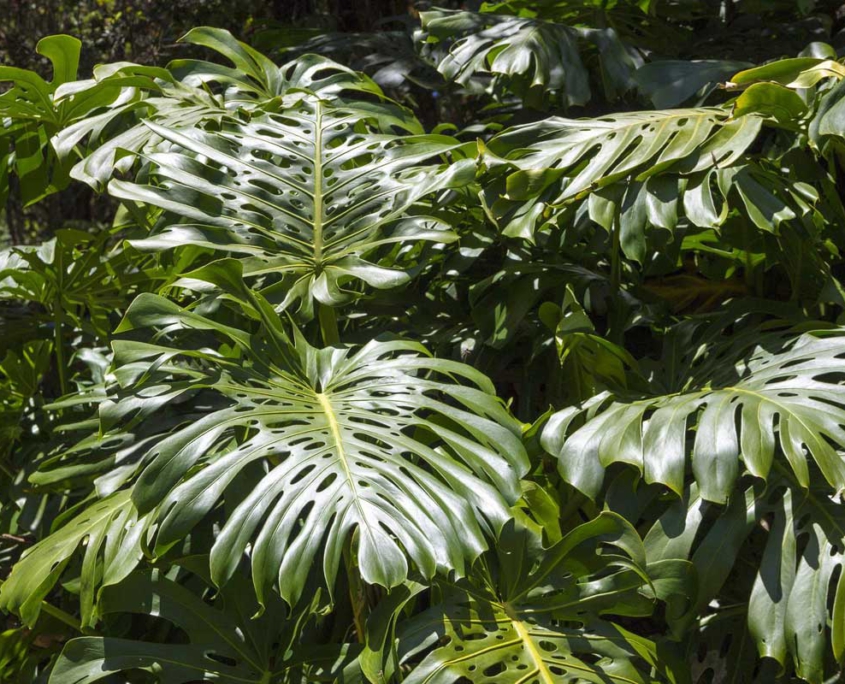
(552, 394)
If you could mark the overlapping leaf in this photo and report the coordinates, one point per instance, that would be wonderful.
(531, 57)
(33, 110)
(635, 168)
(640, 23)
(279, 464)
(112, 534)
(794, 592)
(797, 606)
(227, 644)
(197, 92)
(782, 398)
(538, 617)
(50, 124)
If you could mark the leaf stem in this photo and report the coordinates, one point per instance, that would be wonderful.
(328, 324)
(357, 593)
(60, 349)
(615, 262)
(616, 319)
(62, 616)
(5, 470)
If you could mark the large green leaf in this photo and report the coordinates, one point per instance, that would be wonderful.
(50, 124)
(642, 23)
(33, 110)
(670, 83)
(389, 57)
(635, 144)
(796, 72)
(634, 169)
(193, 92)
(741, 404)
(771, 100)
(793, 590)
(709, 536)
(533, 58)
(305, 194)
(536, 616)
(255, 81)
(112, 534)
(336, 442)
(227, 644)
(797, 606)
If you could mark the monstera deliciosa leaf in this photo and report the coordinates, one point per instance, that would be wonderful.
(412, 457)
(390, 58)
(794, 593)
(538, 615)
(531, 57)
(227, 643)
(304, 195)
(797, 606)
(618, 146)
(777, 396)
(112, 534)
(198, 92)
(33, 111)
(637, 172)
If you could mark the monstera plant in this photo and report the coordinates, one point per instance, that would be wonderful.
(549, 388)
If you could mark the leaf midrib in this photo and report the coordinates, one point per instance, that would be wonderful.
(318, 190)
(334, 428)
(523, 633)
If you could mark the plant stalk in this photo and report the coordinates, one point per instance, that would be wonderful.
(328, 325)
(615, 260)
(614, 328)
(58, 341)
(357, 592)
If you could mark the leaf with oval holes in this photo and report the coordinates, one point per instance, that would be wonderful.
(199, 92)
(226, 642)
(305, 194)
(780, 395)
(556, 161)
(537, 615)
(415, 455)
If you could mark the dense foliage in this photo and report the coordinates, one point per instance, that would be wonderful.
(505, 347)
